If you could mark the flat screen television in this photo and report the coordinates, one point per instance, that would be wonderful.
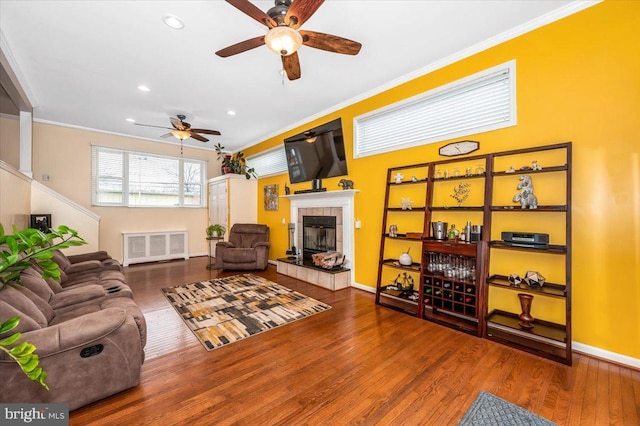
(317, 153)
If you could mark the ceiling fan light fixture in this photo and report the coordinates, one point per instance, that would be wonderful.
(283, 40)
(181, 134)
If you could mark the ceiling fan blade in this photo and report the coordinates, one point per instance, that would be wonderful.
(198, 137)
(243, 46)
(330, 42)
(250, 9)
(300, 11)
(179, 124)
(206, 131)
(151, 125)
(291, 65)
(167, 135)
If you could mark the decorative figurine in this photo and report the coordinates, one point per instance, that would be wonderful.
(406, 203)
(511, 170)
(526, 198)
(535, 165)
(398, 177)
(514, 280)
(345, 184)
(393, 231)
(461, 193)
(287, 190)
(534, 279)
(414, 179)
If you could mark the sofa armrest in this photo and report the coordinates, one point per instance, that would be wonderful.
(87, 265)
(225, 244)
(73, 333)
(75, 296)
(96, 255)
(262, 244)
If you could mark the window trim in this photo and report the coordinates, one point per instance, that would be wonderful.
(508, 67)
(96, 149)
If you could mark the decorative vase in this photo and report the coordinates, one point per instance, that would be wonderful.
(525, 317)
(405, 259)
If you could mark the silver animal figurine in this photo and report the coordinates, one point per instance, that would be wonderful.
(526, 198)
(346, 184)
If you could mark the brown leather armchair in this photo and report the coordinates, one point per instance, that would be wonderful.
(247, 248)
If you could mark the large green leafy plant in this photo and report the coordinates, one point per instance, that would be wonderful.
(18, 252)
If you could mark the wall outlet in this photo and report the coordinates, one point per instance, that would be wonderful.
(358, 224)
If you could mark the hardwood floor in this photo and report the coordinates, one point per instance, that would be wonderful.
(354, 364)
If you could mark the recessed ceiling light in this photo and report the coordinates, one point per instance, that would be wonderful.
(173, 22)
(231, 112)
(144, 88)
(131, 120)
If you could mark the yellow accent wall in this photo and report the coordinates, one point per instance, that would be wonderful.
(578, 79)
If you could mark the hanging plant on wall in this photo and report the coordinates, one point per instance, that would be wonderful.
(18, 252)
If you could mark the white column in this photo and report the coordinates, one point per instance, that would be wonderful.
(26, 143)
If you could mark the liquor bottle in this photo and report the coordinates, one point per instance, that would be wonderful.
(447, 284)
(427, 290)
(438, 293)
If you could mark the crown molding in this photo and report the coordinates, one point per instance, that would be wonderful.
(548, 18)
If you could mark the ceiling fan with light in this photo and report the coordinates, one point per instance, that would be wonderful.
(182, 130)
(284, 37)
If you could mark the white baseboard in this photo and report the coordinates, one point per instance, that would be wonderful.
(364, 287)
(608, 355)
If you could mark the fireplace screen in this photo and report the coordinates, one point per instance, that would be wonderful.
(319, 235)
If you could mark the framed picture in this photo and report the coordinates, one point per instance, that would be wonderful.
(41, 222)
(271, 197)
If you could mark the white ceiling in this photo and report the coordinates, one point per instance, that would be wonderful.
(81, 61)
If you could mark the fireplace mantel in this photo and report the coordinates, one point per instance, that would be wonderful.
(341, 198)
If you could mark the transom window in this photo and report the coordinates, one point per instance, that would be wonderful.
(481, 102)
(136, 179)
(269, 163)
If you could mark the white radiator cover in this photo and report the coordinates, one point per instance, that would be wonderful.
(153, 246)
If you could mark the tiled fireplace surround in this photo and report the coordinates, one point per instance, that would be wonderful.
(329, 203)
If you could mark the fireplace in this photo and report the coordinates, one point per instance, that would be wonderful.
(338, 204)
(319, 235)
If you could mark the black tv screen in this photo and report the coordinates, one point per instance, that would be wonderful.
(317, 153)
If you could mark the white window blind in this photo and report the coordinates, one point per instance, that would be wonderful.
(478, 103)
(269, 163)
(135, 179)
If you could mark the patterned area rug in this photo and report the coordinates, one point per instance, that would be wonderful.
(488, 409)
(226, 310)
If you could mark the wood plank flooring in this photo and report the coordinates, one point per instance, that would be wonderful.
(354, 364)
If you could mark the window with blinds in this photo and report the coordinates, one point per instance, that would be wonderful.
(478, 103)
(136, 179)
(269, 163)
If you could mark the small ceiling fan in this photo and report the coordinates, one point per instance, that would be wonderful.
(182, 130)
(283, 37)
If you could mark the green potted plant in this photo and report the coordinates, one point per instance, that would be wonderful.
(234, 163)
(20, 249)
(215, 230)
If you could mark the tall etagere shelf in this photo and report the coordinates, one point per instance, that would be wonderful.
(464, 284)
(452, 290)
(410, 224)
(550, 335)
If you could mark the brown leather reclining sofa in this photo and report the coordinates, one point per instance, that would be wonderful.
(88, 331)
